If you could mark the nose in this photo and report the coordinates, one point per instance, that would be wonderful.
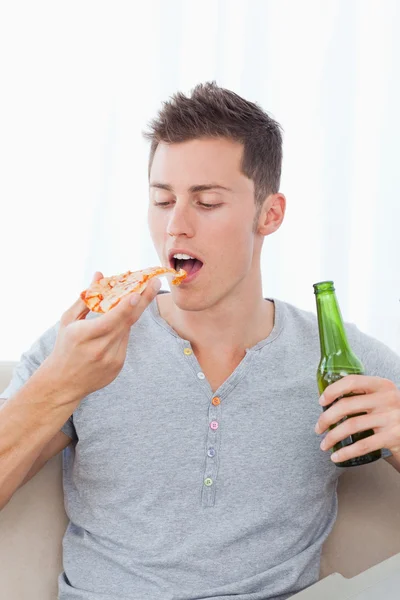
(179, 223)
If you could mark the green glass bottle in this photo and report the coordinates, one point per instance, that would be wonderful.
(337, 361)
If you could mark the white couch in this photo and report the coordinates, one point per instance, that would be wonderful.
(367, 530)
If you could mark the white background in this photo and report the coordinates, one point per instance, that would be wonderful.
(80, 81)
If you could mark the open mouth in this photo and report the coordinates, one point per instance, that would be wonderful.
(190, 265)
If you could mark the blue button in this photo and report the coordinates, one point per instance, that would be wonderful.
(211, 452)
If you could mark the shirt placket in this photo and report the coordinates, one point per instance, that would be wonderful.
(213, 433)
(212, 452)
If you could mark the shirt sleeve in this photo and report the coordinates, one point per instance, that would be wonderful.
(29, 362)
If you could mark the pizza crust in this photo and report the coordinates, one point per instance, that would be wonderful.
(104, 294)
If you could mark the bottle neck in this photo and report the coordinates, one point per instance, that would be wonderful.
(332, 334)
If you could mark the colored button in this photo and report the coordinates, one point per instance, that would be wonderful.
(201, 375)
(208, 481)
(216, 401)
(214, 425)
(211, 452)
(188, 351)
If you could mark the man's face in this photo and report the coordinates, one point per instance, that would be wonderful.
(201, 204)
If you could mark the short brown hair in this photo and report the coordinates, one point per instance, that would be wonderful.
(211, 111)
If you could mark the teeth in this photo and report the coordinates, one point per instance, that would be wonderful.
(183, 256)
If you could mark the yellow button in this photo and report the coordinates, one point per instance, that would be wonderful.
(215, 401)
(188, 351)
(208, 481)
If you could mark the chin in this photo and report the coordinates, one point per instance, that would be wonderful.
(190, 301)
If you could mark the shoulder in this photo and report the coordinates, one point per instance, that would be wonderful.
(299, 326)
(31, 359)
(43, 345)
(295, 316)
(378, 359)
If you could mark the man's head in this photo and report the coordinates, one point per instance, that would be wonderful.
(214, 172)
(214, 112)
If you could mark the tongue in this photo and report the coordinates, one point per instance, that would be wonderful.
(189, 265)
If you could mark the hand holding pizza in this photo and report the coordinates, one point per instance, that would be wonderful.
(89, 354)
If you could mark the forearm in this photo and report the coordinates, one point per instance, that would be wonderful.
(28, 421)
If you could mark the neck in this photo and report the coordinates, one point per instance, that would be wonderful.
(238, 321)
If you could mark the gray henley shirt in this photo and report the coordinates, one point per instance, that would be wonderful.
(174, 492)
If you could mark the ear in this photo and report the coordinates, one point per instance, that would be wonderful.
(272, 214)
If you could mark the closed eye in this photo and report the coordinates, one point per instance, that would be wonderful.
(209, 205)
(203, 204)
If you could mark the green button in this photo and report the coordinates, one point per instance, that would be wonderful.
(208, 481)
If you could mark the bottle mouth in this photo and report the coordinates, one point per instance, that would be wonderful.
(323, 286)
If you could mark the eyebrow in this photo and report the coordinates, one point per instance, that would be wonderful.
(193, 189)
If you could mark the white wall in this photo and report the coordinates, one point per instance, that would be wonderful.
(81, 79)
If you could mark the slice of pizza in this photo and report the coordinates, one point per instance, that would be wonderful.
(104, 294)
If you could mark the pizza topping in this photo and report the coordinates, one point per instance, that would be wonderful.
(104, 294)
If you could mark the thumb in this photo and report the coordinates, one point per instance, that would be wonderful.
(132, 305)
(98, 275)
(78, 310)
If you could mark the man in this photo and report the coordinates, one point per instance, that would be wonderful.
(192, 468)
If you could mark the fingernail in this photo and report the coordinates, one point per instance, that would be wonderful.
(317, 428)
(322, 399)
(135, 299)
(156, 285)
(334, 456)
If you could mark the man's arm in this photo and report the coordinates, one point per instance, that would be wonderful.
(87, 356)
(30, 423)
(56, 445)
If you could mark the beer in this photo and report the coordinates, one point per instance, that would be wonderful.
(337, 361)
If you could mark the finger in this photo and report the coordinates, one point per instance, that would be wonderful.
(351, 384)
(78, 310)
(369, 444)
(125, 314)
(150, 292)
(85, 310)
(137, 303)
(348, 406)
(352, 426)
(98, 275)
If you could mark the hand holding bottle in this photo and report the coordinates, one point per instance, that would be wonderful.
(378, 398)
(362, 413)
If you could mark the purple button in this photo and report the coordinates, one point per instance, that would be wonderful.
(211, 452)
(214, 425)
